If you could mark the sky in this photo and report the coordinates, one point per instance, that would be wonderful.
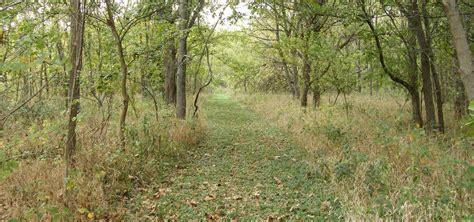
(242, 7)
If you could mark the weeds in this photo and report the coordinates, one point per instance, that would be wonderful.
(377, 164)
(106, 180)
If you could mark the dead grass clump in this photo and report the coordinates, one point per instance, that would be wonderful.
(36, 191)
(189, 132)
(107, 179)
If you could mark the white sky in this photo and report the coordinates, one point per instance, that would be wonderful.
(227, 25)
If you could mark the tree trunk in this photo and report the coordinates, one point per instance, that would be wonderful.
(416, 107)
(124, 69)
(295, 79)
(75, 51)
(64, 82)
(182, 53)
(413, 78)
(289, 76)
(412, 85)
(460, 99)
(170, 72)
(316, 96)
(307, 81)
(437, 85)
(425, 67)
(461, 45)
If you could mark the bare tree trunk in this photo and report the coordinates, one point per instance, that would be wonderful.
(124, 68)
(64, 82)
(294, 72)
(307, 81)
(316, 96)
(460, 99)
(461, 45)
(425, 67)
(437, 85)
(182, 53)
(75, 51)
(170, 72)
(413, 72)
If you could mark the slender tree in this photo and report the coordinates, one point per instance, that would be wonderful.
(124, 68)
(75, 56)
(185, 23)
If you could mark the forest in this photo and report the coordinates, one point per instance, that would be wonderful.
(320, 110)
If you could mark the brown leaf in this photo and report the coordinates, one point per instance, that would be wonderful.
(211, 216)
(192, 203)
(325, 205)
(256, 194)
(210, 197)
(278, 181)
(237, 197)
(271, 218)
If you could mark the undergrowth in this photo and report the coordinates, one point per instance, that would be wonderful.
(106, 179)
(376, 162)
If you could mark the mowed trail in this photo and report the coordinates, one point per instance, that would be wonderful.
(247, 169)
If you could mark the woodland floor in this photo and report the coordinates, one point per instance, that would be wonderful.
(248, 169)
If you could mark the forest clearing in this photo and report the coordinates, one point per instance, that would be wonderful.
(261, 110)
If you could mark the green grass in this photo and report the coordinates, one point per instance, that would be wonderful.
(246, 169)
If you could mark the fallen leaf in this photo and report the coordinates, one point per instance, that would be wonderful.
(192, 203)
(237, 197)
(212, 216)
(90, 215)
(278, 181)
(210, 197)
(82, 210)
(325, 205)
(256, 194)
(271, 218)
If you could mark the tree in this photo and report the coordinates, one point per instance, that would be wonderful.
(412, 85)
(461, 45)
(75, 56)
(185, 23)
(123, 65)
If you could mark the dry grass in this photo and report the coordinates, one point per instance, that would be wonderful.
(377, 162)
(106, 179)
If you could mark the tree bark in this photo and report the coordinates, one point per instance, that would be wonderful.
(427, 90)
(413, 79)
(124, 69)
(75, 51)
(307, 80)
(461, 45)
(437, 85)
(316, 96)
(170, 72)
(182, 53)
(460, 99)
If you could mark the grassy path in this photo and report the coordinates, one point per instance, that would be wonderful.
(249, 169)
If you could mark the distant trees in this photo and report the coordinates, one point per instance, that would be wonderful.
(404, 40)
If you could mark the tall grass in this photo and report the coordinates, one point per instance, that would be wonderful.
(106, 180)
(377, 162)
